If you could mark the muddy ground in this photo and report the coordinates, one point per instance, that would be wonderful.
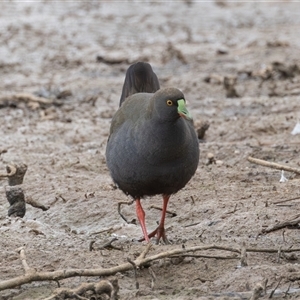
(76, 53)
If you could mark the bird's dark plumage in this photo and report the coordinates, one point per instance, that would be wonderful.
(153, 147)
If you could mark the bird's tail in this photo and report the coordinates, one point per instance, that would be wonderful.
(140, 78)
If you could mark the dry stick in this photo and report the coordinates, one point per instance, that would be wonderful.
(120, 213)
(146, 250)
(286, 200)
(273, 291)
(25, 97)
(34, 203)
(273, 165)
(26, 267)
(62, 198)
(244, 256)
(265, 250)
(292, 223)
(153, 277)
(193, 200)
(264, 284)
(91, 245)
(101, 287)
(283, 236)
(137, 285)
(108, 245)
(200, 235)
(203, 280)
(287, 291)
(173, 214)
(11, 171)
(141, 260)
(279, 255)
(208, 256)
(193, 224)
(3, 150)
(232, 211)
(16, 173)
(4, 175)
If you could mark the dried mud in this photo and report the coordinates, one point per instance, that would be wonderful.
(77, 53)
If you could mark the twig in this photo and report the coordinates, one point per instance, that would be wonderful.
(101, 287)
(209, 256)
(173, 214)
(3, 150)
(108, 245)
(141, 260)
(200, 235)
(193, 224)
(244, 256)
(273, 291)
(91, 245)
(192, 198)
(153, 277)
(62, 198)
(286, 200)
(16, 173)
(264, 284)
(287, 291)
(232, 211)
(26, 267)
(279, 254)
(34, 203)
(133, 221)
(283, 236)
(137, 285)
(294, 223)
(266, 250)
(25, 97)
(273, 165)
(11, 171)
(203, 279)
(145, 252)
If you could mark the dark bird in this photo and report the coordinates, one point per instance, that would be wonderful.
(153, 147)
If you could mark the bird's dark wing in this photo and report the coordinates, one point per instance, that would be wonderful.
(131, 111)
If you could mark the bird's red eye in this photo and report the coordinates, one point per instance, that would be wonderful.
(169, 102)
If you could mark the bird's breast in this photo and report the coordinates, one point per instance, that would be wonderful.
(153, 158)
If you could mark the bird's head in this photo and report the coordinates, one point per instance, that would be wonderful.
(169, 104)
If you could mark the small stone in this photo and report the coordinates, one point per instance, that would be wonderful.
(210, 155)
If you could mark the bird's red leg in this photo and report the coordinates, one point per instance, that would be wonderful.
(160, 230)
(141, 216)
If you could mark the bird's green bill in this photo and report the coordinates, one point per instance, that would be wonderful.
(182, 110)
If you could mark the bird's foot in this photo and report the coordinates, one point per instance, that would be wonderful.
(160, 233)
